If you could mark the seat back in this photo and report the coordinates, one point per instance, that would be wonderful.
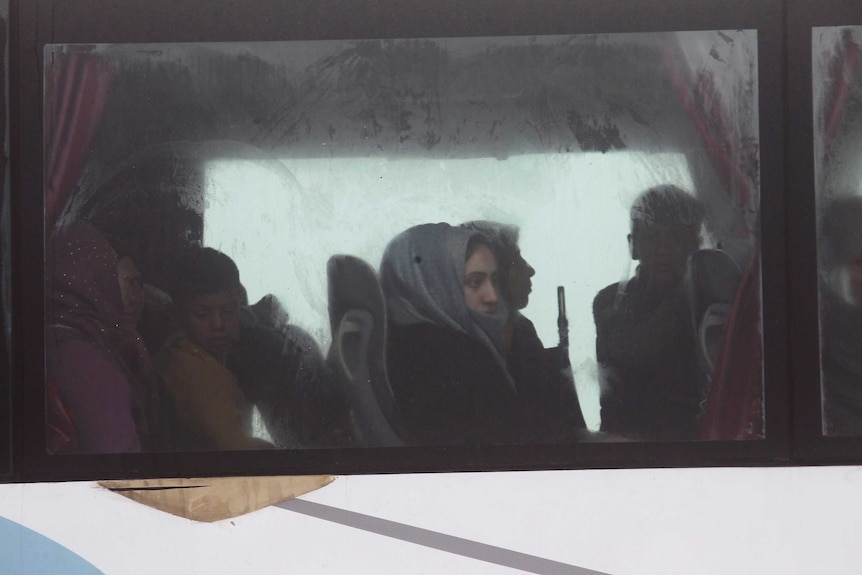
(712, 279)
(357, 316)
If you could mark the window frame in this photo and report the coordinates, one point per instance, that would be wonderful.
(40, 22)
(811, 446)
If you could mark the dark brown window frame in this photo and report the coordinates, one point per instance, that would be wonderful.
(90, 21)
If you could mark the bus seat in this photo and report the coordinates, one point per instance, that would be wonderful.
(712, 278)
(358, 357)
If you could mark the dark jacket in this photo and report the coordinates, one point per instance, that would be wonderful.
(544, 382)
(450, 390)
(645, 348)
(283, 374)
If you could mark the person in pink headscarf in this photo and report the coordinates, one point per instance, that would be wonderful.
(87, 351)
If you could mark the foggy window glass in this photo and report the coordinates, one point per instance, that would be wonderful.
(572, 210)
(837, 128)
(268, 238)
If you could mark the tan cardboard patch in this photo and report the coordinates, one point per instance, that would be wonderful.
(216, 498)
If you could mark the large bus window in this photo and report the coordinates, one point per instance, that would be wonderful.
(419, 242)
(838, 134)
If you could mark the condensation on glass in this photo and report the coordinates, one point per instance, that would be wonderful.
(837, 100)
(302, 161)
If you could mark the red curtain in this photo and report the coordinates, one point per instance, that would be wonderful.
(734, 407)
(710, 119)
(76, 86)
(846, 65)
(735, 401)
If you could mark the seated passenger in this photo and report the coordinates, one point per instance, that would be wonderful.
(147, 308)
(445, 339)
(213, 412)
(136, 356)
(543, 376)
(841, 320)
(87, 354)
(131, 290)
(281, 370)
(645, 342)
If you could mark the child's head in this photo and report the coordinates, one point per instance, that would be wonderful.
(666, 223)
(207, 299)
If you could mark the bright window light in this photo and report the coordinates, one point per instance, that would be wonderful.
(282, 220)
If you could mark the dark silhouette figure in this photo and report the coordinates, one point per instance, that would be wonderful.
(645, 340)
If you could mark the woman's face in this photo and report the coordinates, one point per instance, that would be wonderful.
(131, 288)
(480, 281)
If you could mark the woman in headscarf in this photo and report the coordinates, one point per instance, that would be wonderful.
(86, 348)
(136, 296)
(445, 340)
(543, 376)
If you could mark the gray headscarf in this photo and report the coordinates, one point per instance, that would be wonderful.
(422, 276)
